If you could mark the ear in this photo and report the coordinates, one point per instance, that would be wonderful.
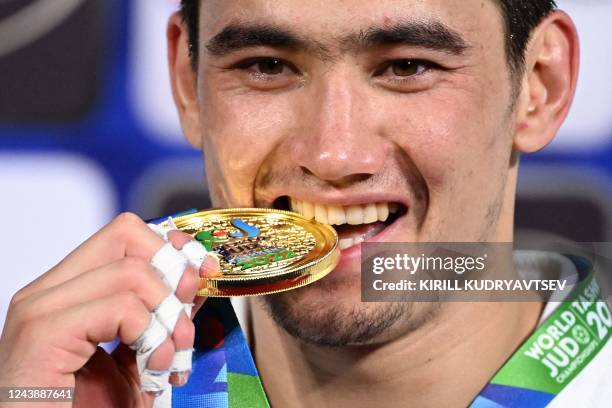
(549, 82)
(183, 78)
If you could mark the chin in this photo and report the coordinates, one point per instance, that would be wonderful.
(330, 313)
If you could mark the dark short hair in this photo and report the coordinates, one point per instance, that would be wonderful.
(520, 18)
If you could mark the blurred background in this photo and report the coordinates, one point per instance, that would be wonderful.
(88, 129)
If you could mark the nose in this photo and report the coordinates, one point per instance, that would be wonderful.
(339, 138)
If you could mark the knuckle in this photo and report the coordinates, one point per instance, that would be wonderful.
(128, 301)
(17, 298)
(18, 308)
(127, 221)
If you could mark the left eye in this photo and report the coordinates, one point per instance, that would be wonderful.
(266, 66)
(407, 67)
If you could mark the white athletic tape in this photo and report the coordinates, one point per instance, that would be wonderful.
(195, 252)
(163, 231)
(150, 339)
(170, 264)
(153, 380)
(188, 308)
(171, 224)
(181, 361)
(165, 399)
(168, 312)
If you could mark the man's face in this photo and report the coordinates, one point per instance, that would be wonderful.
(349, 110)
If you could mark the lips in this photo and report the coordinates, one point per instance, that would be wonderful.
(354, 223)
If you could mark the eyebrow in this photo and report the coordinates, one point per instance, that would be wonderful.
(235, 37)
(425, 34)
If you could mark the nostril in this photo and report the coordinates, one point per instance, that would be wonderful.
(338, 175)
(345, 180)
(350, 180)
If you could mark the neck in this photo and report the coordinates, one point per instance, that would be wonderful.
(445, 362)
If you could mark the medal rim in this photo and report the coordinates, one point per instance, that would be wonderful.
(277, 280)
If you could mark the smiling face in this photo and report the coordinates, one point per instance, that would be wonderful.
(391, 119)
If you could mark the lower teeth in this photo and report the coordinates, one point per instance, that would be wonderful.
(348, 238)
(344, 243)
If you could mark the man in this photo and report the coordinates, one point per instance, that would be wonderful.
(348, 112)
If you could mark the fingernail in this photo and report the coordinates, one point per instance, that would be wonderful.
(180, 378)
(155, 394)
(179, 238)
(211, 265)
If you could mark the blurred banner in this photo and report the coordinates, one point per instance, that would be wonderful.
(88, 129)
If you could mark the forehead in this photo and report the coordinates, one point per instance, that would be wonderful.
(478, 21)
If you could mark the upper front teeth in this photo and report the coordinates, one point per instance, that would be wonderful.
(335, 215)
(338, 215)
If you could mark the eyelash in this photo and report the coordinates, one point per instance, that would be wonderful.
(427, 66)
(244, 65)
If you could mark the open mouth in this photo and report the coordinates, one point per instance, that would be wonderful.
(353, 223)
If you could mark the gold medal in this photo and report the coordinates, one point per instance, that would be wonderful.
(261, 251)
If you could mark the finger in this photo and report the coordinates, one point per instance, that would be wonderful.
(193, 250)
(170, 264)
(154, 351)
(127, 274)
(210, 267)
(167, 261)
(138, 276)
(121, 315)
(178, 238)
(126, 235)
(184, 333)
(124, 358)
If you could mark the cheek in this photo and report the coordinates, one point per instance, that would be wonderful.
(241, 130)
(459, 146)
(449, 134)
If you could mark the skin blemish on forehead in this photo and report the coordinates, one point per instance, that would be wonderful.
(386, 21)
